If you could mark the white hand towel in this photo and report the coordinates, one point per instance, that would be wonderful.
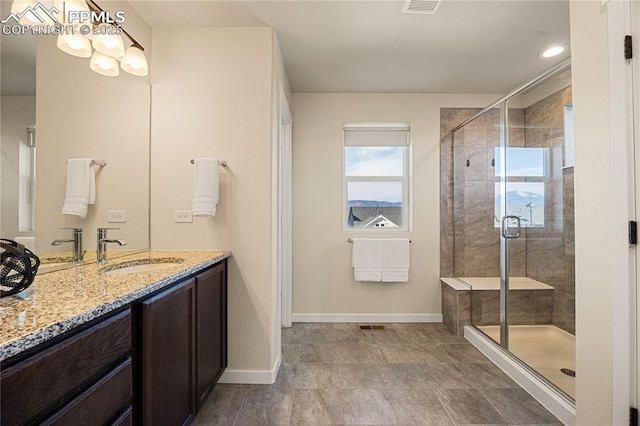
(395, 260)
(206, 186)
(80, 180)
(367, 259)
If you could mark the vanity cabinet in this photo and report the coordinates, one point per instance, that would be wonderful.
(83, 378)
(152, 362)
(182, 346)
(211, 329)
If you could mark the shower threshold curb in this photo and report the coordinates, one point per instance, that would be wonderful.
(546, 395)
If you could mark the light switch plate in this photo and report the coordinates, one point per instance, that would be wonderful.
(117, 216)
(182, 216)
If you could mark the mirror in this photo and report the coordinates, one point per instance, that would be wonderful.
(77, 114)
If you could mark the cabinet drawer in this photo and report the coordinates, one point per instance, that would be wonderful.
(101, 402)
(35, 385)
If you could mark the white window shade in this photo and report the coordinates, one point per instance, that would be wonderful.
(376, 135)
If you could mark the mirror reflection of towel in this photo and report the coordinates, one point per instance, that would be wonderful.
(81, 187)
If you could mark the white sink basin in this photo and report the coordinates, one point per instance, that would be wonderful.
(147, 265)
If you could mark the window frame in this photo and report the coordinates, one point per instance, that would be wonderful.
(405, 179)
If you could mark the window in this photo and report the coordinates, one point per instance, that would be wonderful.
(524, 199)
(376, 177)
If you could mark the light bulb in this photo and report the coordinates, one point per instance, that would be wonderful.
(75, 45)
(105, 40)
(134, 62)
(104, 64)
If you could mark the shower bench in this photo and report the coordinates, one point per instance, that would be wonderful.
(476, 301)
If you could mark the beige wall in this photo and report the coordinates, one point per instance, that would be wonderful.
(212, 96)
(17, 113)
(80, 113)
(593, 225)
(322, 273)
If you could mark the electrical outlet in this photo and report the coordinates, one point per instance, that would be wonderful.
(182, 216)
(117, 216)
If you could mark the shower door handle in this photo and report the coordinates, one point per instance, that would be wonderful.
(505, 228)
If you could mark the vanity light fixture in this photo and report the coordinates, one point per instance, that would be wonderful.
(106, 39)
(552, 51)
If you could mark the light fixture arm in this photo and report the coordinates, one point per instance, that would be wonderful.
(95, 8)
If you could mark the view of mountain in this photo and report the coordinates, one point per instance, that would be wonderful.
(524, 197)
(374, 203)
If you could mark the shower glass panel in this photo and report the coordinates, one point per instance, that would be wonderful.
(513, 225)
(542, 300)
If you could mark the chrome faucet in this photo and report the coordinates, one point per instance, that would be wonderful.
(78, 252)
(102, 244)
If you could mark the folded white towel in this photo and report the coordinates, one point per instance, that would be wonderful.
(395, 260)
(206, 186)
(367, 259)
(81, 187)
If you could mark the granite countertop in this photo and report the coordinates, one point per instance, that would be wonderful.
(58, 301)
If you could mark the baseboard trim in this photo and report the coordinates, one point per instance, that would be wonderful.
(251, 377)
(542, 392)
(381, 318)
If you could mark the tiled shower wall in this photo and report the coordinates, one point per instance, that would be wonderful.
(472, 246)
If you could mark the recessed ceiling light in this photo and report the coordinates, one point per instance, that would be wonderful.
(552, 51)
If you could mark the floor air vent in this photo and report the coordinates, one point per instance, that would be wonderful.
(371, 327)
(421, 6)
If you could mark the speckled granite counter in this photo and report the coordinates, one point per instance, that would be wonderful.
(59, 301)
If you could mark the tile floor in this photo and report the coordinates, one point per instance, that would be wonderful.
(408, 374)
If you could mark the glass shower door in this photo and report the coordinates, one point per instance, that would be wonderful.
(537, 206)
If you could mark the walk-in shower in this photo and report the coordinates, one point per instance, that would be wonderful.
(508, 222)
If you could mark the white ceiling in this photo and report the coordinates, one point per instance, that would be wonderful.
(468, 46)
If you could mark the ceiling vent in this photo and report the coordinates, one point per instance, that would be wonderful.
(422, 6)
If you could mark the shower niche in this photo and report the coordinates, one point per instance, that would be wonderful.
(507, 224)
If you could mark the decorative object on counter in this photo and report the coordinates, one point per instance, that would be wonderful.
(206, 186)
(18, 267)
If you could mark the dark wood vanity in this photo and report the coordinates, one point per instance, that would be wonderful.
(152, 361)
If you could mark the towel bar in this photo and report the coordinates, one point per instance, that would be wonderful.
(350, 240)
(101, 163)
(222, 163)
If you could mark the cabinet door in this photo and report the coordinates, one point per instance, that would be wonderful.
(211, 329)
(167, 367)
